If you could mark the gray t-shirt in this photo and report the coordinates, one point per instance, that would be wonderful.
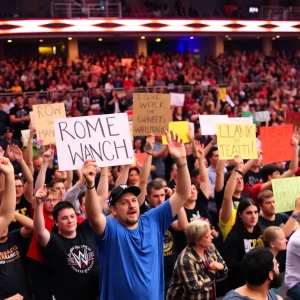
(233, 295)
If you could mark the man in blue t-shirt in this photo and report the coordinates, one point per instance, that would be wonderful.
(130, 247)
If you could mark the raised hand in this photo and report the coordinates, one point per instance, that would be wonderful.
(41, 195)
(199, 149)
(237, 162)
(5, 166)
(90, 170)
(296, 136)
(18, 154)
(175, 145)
(48, 156)
(150, 142)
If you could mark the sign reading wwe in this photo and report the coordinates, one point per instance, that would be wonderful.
(104, 138)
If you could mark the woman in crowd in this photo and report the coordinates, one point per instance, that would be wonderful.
(197, 266)
(241, 239)
(179, 114)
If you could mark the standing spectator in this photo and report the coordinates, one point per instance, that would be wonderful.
(8, 139)
(4, 120)
(7, 105)
(19, 116)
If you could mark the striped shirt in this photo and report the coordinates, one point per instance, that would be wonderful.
(191, 279)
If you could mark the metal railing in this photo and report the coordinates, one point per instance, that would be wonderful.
(280, 13)
(73, 9)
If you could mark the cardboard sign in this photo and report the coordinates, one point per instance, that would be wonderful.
(177, 99)
(286, 191)
(44, 116)
(293, 118)
(222, 94)
(151, 113)
(105, 138)
(262, 116)
(181, 128)
(25, 136)
(208, 123)
(236, 139)
(276, 143)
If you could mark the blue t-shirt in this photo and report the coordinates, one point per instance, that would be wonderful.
(132, 260)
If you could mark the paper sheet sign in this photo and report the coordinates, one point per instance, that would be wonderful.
(105, 138)
(229, 101)
(236, 139)
(293, 118)
(222, 93)
(208, 123)
(151, 113)
(246, 120)
(44, 116)
(286, 191)
(177, 99)
(25, 135)
(262, 116)
(181, 128)
(276, 143)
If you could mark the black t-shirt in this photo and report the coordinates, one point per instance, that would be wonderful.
(24, 208)
(199, 212)
(280, 220)
(74, 265)
(19, 113)
(12, 277)
(251, 178)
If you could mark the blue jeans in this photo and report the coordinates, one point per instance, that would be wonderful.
(294, 292)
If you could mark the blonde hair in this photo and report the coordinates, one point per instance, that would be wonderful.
(270, 235)
(195, 231)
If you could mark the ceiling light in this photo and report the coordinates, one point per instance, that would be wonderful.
(9, 41)
(41, 41)
(191, 37)
(69, 38)
(142, 37)
(157, 40)
(277, 36)
(100, 39)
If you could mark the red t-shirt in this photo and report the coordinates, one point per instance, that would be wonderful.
(256, 189)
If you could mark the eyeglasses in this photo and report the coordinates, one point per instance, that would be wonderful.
(19, 186)
(51, 200)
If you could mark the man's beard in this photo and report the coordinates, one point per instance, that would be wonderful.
(276, 282)
(130, 223)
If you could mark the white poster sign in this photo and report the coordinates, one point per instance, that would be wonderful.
(177, 99)
(105, 138)
(262, 116)
(241, 120)
(25, 135)
(208, 123)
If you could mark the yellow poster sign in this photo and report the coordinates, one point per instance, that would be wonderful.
(181, 128)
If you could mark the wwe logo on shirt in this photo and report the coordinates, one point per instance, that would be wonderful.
(81, 259)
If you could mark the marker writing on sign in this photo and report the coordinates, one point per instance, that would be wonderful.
(48, 111)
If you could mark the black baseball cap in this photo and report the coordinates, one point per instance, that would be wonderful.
(8, 129)
(121, 189)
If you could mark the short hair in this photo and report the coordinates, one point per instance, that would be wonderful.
(53, 170)
(269, 235)
(134, 169)
(52, 191)
(268, 170)
(195, 172)
(211, 152)
(154, 185)
(161, 180)
(264, 195)
(195, 231)
(17, 177)
(80, 197)
(59, 207)
(56, 180)
(256, 265)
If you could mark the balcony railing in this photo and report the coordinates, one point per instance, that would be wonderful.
(73, 9)
(280, 13)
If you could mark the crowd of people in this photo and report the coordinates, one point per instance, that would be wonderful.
(182, 225)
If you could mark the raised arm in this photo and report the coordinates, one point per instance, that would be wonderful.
(68, 182)
(8, 204)
(28, 154)
(211, 144)
(289, 227)
(183, 187)
(43, 235)
(102, 189)
(219, 185)
(92, 204)
(123, 176)
(294, 163)
(226, 209)
(145, 171)
(204, 180)
(27, 225)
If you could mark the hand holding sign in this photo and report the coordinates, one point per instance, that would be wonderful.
(89, 171)
(175, 145)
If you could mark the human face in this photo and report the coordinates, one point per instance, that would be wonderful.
(156, 197)
(126, 210)
(275, 175)
(3, 237)
(280, 164)
(268, 206)
(50, 203)
(250, 216)
(280, 242)
(206, 240)
(60, 174)
(19, 188)
(66, 221)
(239, 184)
(60, 188)
(19, 101)
(82, 206)
(214, 159)
(194, 193)
(275, 276)
(133, 177)
(37, 163)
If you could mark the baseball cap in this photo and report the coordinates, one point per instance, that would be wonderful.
(8, 129)
(121, 189)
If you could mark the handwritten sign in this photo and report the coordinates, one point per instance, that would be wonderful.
(293, 118)
(222, 94)
(181, 128)
(286, 191)
(237, 139)
(262, 116)
(208, 123)
(25, 135)
(44, 116)
(276, 143)
(151, 113)
(105, 138)
(177, 99)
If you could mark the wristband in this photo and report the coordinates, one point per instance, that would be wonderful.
(90, 188)
(181, 165)
(294, 216)
(238, 171)
(149, 153)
